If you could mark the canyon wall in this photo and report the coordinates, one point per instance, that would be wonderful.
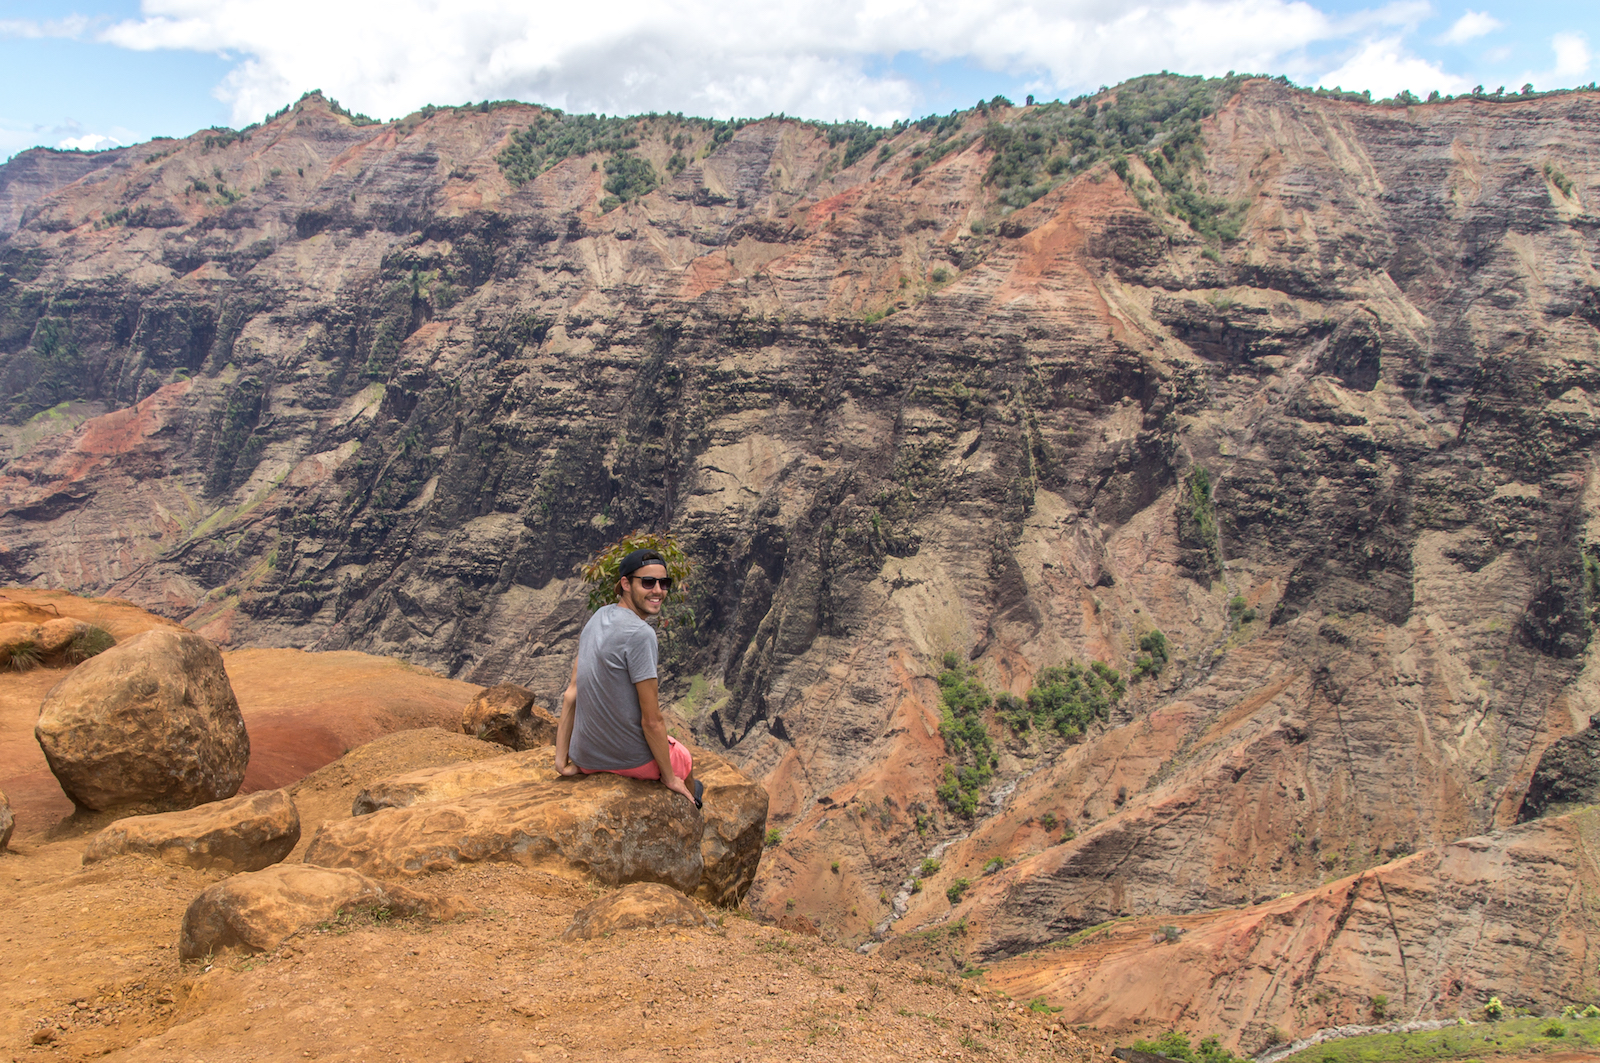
(1321, 413)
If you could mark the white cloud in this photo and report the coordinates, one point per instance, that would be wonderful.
(1385, 67)
(388, 57)
(89, 142)
(33, 29)
(1572, 56)
(1472, 25)
(68, 134)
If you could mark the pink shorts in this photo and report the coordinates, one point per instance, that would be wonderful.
(682, 764)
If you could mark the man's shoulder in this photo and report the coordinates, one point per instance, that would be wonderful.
(617, 621)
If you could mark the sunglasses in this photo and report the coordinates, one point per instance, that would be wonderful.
(649, 582)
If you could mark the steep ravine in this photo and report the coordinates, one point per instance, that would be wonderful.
(362, 391)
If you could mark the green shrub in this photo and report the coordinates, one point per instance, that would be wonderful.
(957, 889)
(1553, 1029)
(1067, 698)
(89, 643)
(1494, 1010)
(1175, 1045)
(630, 176)
(1048, 820)
(1591, 1012)
(1380, 1007)
(1154, 656)
(774, 837)
(929, 868)
(1041, 1006)
(994, 864)
(966, 736)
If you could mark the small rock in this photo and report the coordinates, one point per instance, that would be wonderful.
(256, 911)
(244, 833)
(151, 724)
(506, 715)
(43, 1037)
(641, 904)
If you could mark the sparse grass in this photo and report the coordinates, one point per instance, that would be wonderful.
(21, 656)
(1513, 1037)
(90, 643)
(347, 919)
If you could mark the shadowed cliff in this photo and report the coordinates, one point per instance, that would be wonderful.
(340, 386)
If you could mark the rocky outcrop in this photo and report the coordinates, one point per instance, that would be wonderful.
(506, 715)
(8, 821)
(734, 809)
(33, 175)
(244, 833)
(257, 911)
(150, 723)
(1568, 775)
(1436, 933)
(642, 905)
(602, 827)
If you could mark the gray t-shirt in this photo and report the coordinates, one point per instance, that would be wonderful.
(615, 651)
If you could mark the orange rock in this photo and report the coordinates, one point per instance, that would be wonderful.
(506, 715)
(604, 827)
(256, 911)
(152, 723)
(244, 833)
(636, 906)
(735, 809)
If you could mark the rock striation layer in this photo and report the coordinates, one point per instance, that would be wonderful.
(1319, 410)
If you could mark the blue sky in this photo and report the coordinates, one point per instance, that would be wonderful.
(121, 71)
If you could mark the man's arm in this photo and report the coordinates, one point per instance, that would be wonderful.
(569, 705)
(655, 733)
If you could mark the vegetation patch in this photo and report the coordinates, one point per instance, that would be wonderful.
(1065, 699)
(1513, 1037)
(1175, 1045)
(965, 736)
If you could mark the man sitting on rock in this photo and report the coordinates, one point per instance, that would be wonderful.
(611, 713)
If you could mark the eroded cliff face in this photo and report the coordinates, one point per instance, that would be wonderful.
(360, 391)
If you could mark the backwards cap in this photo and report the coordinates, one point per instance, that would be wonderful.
(639, 559)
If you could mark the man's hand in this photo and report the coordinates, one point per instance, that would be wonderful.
(676, 785)
(567, 768)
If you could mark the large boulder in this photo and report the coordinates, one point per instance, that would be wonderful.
(256, 911)
(151, 724)
(244, 833)
(8, 822)
(506, 715)
(735, 809)
(640, 905)
(602, 827)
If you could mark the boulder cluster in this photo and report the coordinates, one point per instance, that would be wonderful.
(150, 731)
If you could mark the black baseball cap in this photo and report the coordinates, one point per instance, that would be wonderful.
(638, 559)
